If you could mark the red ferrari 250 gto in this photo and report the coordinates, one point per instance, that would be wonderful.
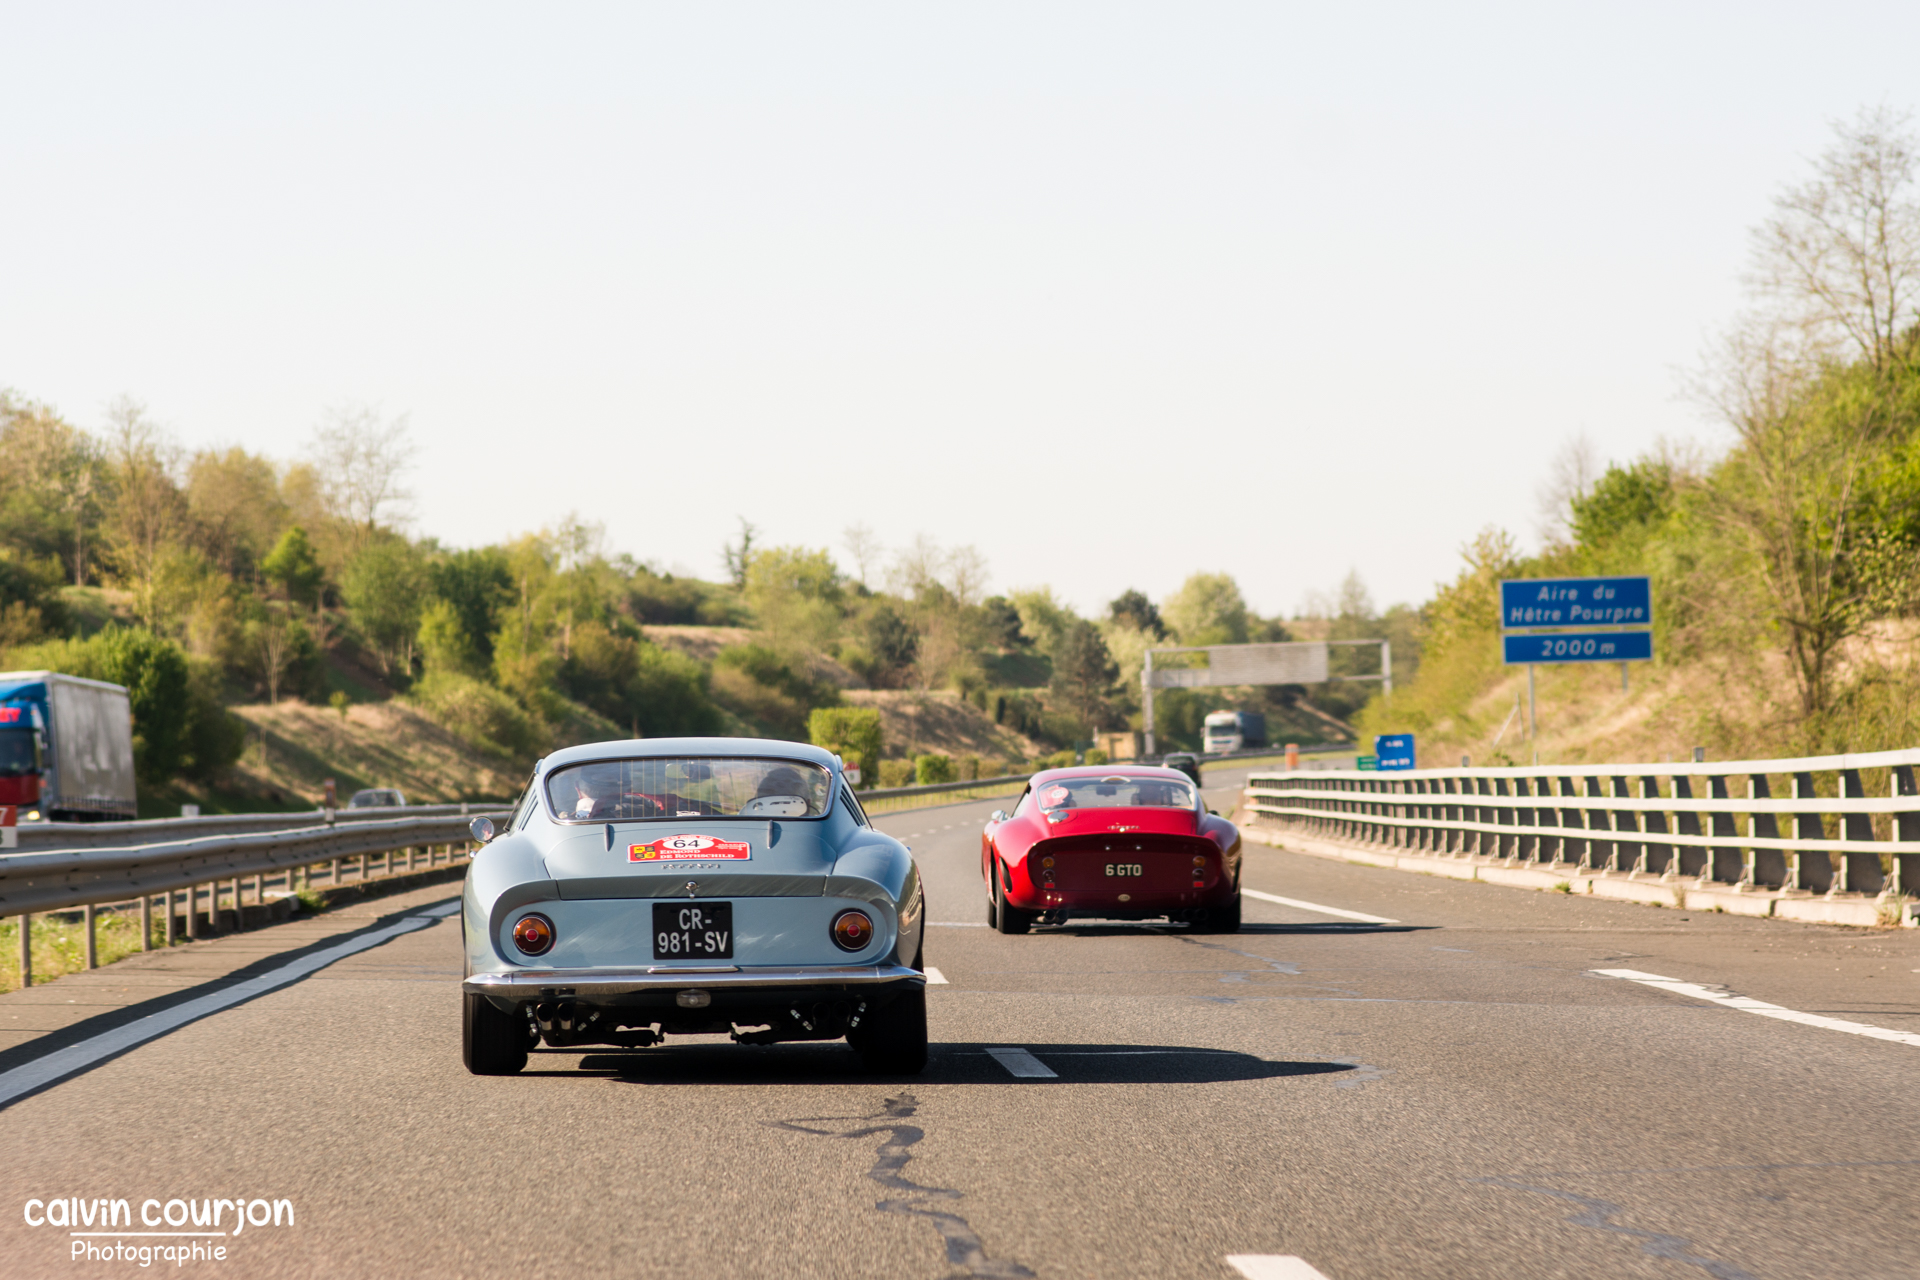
(1113, 842)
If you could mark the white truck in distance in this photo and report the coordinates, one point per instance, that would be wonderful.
(1228, 731)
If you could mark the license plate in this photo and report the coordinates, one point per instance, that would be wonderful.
(1128, 869)
(693, 931)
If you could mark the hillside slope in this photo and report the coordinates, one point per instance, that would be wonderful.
(292, 748)
(913, 723)
(1736, 707)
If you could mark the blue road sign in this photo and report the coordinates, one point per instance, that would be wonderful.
(1575, 602)
(1580, 646)
(1393, 750)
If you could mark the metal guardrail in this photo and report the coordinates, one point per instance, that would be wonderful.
(103, 835)
(936, 788)
(1008, 781)
(57, 879)
(1618, 819)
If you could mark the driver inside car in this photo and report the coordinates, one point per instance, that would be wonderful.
(781, 794)
(592, 795)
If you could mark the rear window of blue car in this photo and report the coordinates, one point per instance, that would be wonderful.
(668, 787)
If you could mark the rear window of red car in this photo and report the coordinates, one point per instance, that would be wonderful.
(1115, 792)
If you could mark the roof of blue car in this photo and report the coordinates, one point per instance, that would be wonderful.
(643, 748)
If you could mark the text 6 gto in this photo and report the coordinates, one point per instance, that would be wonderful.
(690, 886)
(1114, 842)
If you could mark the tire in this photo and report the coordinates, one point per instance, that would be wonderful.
(993, 911)
(1221, 919)
(1008, 918)
(491, 1042)
(893, 1039)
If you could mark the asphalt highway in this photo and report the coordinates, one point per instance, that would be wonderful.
(1458, 1093)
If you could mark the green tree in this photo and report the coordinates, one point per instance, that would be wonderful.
(293, 568)
(1132, 609)
(1084, 674)
(670, 695)
(891, 641)
(1208, 609)
(233, 499)
(853, 734)
(384, 586)
(1044, 621)
(444, 644)
(478, 585)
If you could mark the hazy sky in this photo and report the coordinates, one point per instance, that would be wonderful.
(1111, 292)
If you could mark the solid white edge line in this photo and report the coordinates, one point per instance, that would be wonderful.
(1273, 1266)
(1748, 1004)
(935, 978)
(1342, 912)
(1022, 1065)
(76, 1057)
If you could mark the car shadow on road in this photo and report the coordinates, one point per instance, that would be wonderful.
(1130, 929)
(948, 1063)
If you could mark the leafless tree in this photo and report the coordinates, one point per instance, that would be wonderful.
(1790, 495)
(961, 572)
(146, 512)
(1839, 260)
(865, 548)
(1570, 476)
(739, 558)
(275, 648)
(359, 458)
(1835, 278)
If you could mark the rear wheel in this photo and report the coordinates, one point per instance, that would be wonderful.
(1221, 919)
(1008, 918)
(993, 910)
(492, 1043)
(893, 1039)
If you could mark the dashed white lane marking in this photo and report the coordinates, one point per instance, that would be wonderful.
(1273, 1266)
(1749, 1005)
(935, 978)
(1342, 912)
(1021, 1064)
(77, 1057)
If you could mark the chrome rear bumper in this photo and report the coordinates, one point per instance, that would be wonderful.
(584, 984)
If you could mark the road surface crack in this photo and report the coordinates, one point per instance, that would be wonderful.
(1595, 1214)
(1364, 1073)
(964, 1248)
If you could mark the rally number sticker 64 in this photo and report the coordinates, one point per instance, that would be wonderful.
(699, 848)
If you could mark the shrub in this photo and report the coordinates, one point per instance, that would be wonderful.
(852, 733)
(215, 736)
(758, 683)
(478, 714)
(1097, 756)
(896, 773)
(969, 767)
(669, 693)
(929, 769)
(1058, 760)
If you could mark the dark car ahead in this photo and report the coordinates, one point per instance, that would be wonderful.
(1186, 762)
